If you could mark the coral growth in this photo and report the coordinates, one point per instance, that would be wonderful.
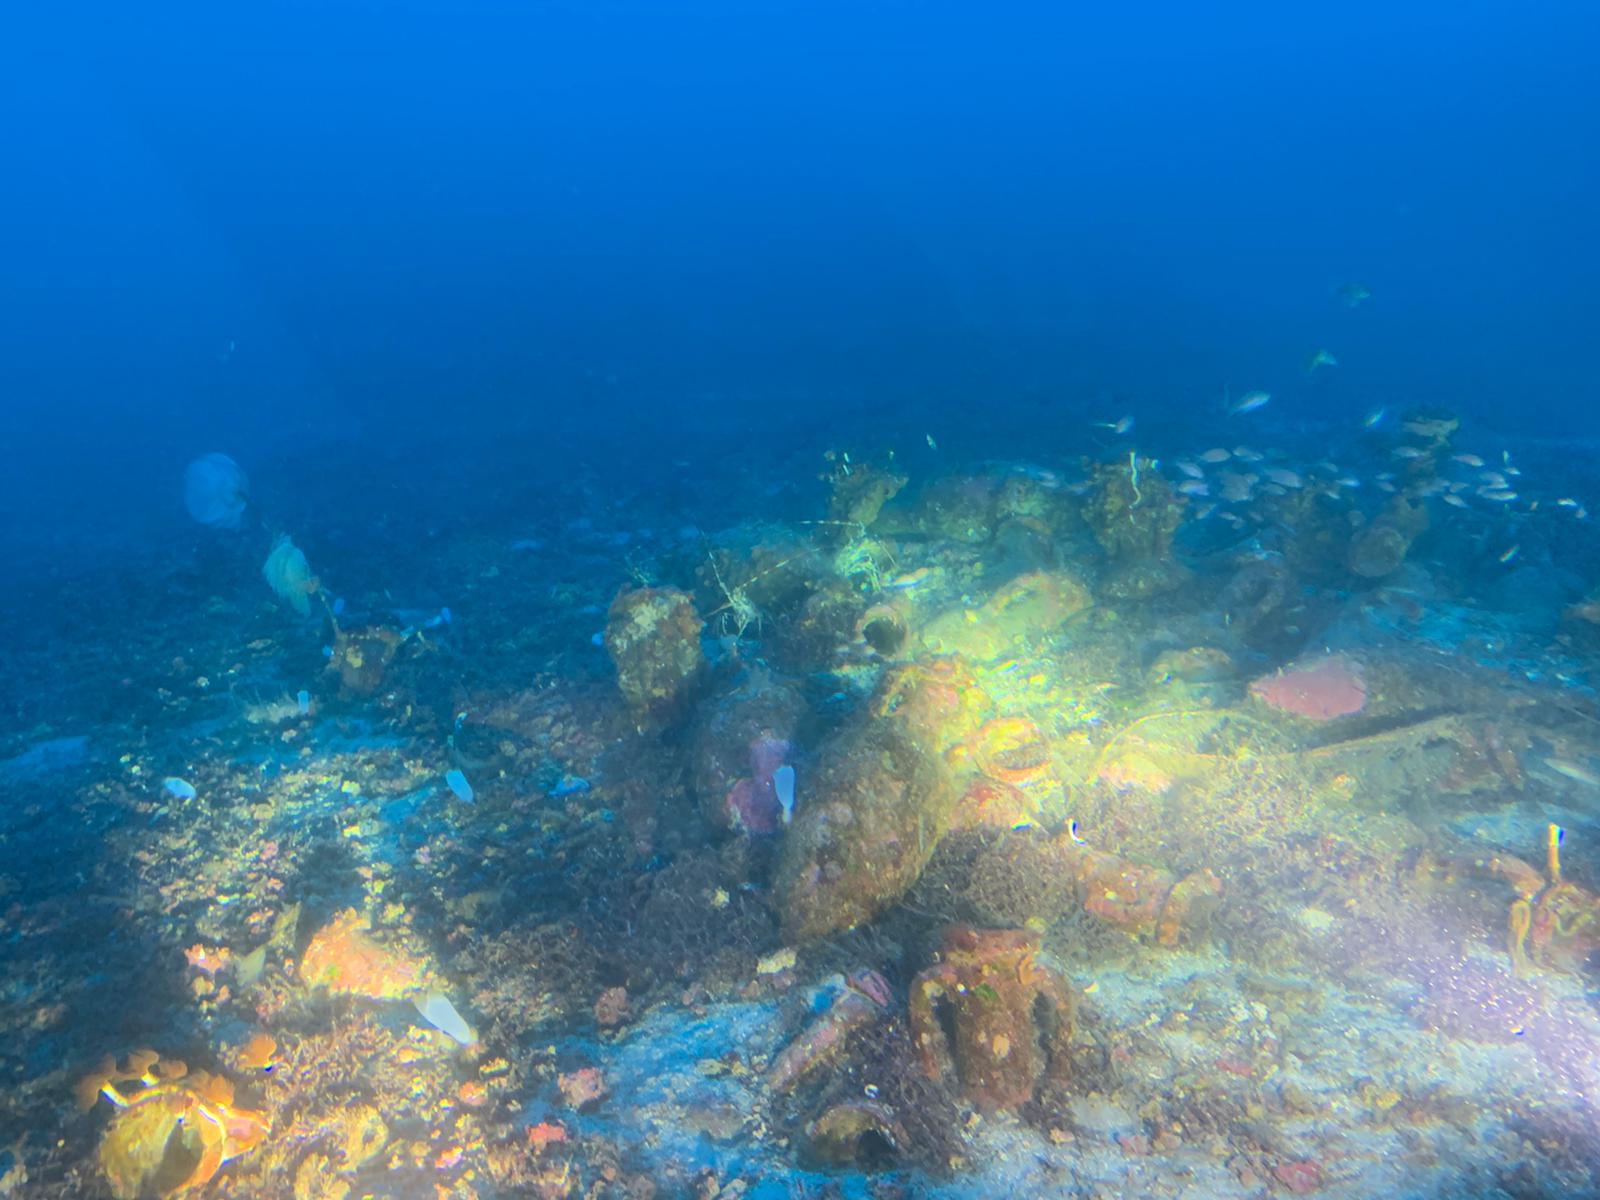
(880, 798)
(173, 1131)
(859, 491)
(877, 807)
(1319, 691)
(361, 657)
(344, 958)
(1133, 513)
(993, 1036)
(653, 637)
(741, 740)
(1379, 548)
(821, 1044)
(1022, 875)
(289, 575)
(1554, 924)
(1023, 610)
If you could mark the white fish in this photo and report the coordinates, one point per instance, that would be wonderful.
(456, 780)
(436, 1010)
(1406, 452)
(1193, 487)
(1322, 358)
(1492, 479)
(178, 789)
(1247, 454)
(783, 785)
(1498, 495)
(1284, 477)
(1510, 554)
(1191, 469)
(1216, 455)
(1567, 502)
(1374, 417)
(1470, 460)
(1347, 481)
(1249, 402)
(1454, 499)
(1119, 427)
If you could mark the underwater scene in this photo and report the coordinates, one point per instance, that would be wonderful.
(752, 602)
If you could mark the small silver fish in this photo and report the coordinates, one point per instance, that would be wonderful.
(1455, 500)
(1510, 554)
(1284, 477)
(1191, 469)
(1406, 452)
(1353, 294)
(1235, 487)
(1194, 487)
(1374, 417)
(932, 445)
(1470, 460)
(1321, 358)
(1573, 771)
(1119, 427)
(1249, 402)
(909, 580)
(1498, 495)
(1216, 455)
(1247, 455)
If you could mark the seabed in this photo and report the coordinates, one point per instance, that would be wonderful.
(963, 830)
